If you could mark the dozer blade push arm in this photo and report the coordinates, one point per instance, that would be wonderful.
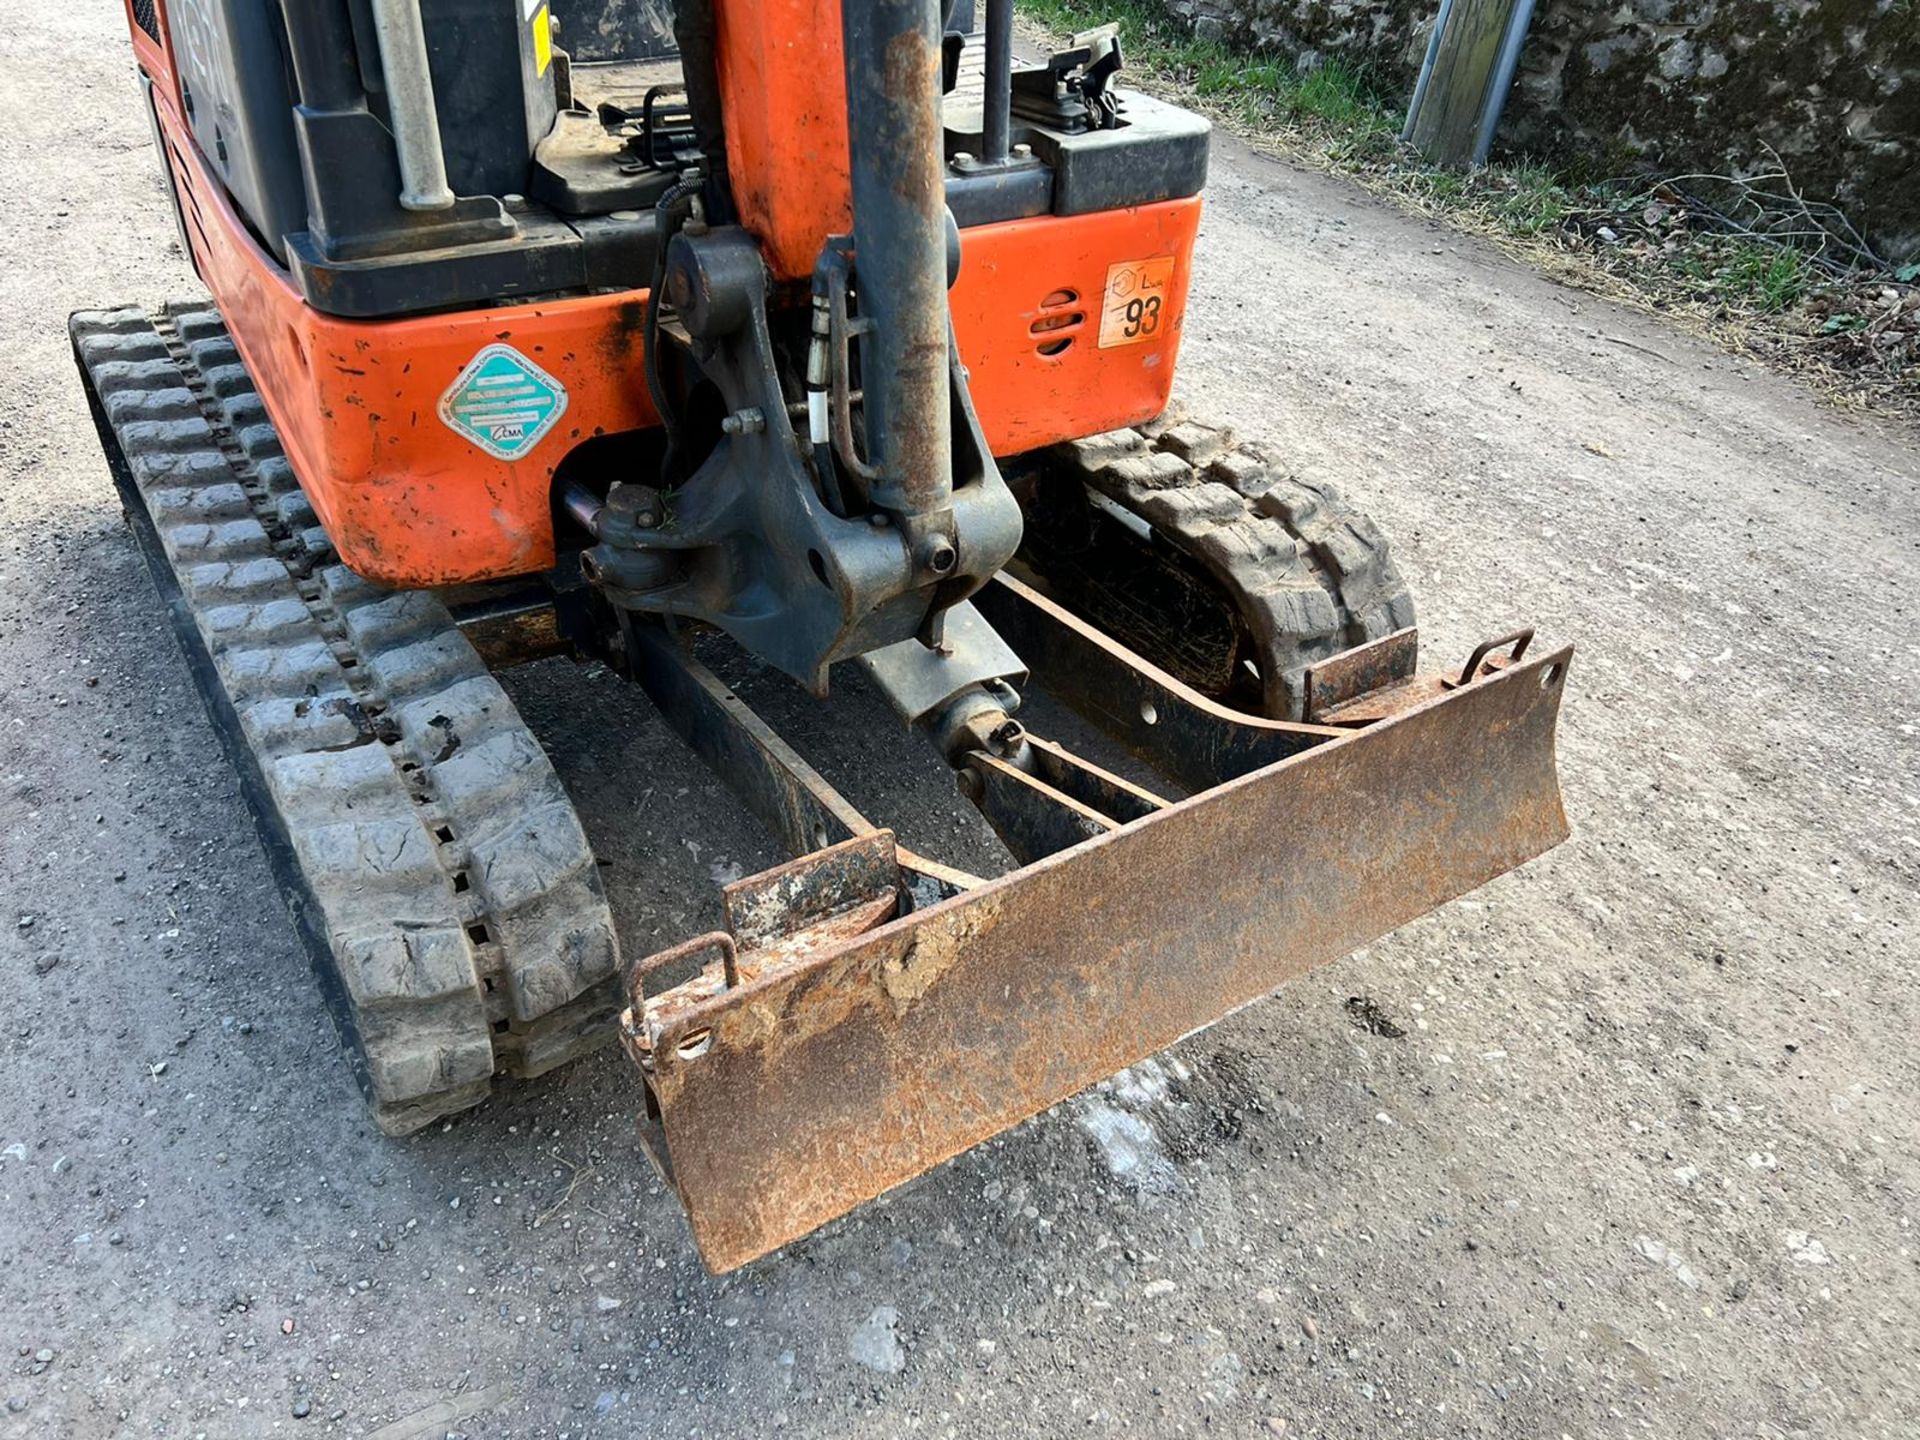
(844, 1035)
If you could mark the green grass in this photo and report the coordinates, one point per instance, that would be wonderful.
(1766, 277)
(1537, 201)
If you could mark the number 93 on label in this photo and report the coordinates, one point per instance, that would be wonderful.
(1137, 305)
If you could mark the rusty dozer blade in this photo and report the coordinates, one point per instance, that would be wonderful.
(852, 1028)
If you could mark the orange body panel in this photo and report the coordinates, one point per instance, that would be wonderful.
(1027, 286)
(406, 500)
(409, 502)
(783, 90)
(153, 56)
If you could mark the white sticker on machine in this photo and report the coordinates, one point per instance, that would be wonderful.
(1136, 303)
(503, 402)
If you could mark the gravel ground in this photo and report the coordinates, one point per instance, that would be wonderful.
(1641, 1162)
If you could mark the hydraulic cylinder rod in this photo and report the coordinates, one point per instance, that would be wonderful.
(900, 248)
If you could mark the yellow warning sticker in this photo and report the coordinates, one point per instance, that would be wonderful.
(1135, 307)
(542, 40)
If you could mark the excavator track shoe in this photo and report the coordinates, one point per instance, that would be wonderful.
(430, 856)
(1305, 573)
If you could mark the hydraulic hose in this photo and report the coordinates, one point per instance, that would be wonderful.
(695, 33)
(668, 217)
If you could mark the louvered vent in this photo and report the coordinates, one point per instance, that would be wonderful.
(1058, 322)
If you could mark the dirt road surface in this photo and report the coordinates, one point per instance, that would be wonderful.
(1642, 1163)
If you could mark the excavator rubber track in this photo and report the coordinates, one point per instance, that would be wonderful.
(432, 859)
(1306, 574)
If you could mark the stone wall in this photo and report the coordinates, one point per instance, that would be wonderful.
(1831, 86)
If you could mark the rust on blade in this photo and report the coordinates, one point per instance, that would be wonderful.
(812, 890)
(776, 921)
(1394, 696)
(1364, 670)
(868, 1045)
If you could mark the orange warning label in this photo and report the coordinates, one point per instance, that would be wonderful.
(1135, 305)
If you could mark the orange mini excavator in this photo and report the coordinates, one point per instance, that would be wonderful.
(821, 330)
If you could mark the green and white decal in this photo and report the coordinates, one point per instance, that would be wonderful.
(503, 402)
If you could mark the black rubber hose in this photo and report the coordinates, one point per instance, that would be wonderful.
(695, 33)
(667, 212)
